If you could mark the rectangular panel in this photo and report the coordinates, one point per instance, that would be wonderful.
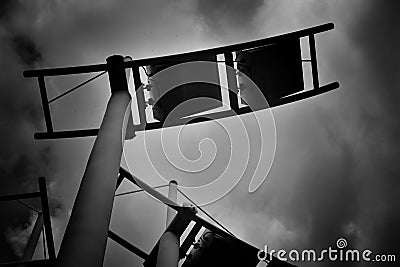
(185, 89)
(276, 69)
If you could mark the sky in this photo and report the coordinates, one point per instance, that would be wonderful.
(334, 174)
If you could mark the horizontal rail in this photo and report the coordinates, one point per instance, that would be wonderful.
(20, 196)
(76, 87)
(139, 190)
(178, 57)
(306, 94)
(154, 193)
(65, 70)
(66, 134)
(124, 243)
(194, 119)
(234, 47)
(33, 263)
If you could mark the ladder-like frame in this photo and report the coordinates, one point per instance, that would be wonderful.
(135, 65)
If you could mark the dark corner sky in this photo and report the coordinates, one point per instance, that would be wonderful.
(336, 171)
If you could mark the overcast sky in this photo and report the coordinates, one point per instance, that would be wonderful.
(335, 172)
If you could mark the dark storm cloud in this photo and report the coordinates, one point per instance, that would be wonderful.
(350, 183)
(364, 129)
(6, 8)
(228, 15)
(377, 36)
(22, 160)
(335, 173)
(26, 49)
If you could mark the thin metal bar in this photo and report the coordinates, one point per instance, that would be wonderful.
(233, 48)
(232, 85)
(130, 192)
(190, 238)
(141, 104)
(34, 263)
(305, 94)
(65, 70)
(45, 104)
(46, 217)
(77, 87)
(33, 238)
(139, 190)
(314, 66)
(177, 58)
(150, 190)
(205, 212)
(119, 181)
(20, 196)
(124, 243)
(67, 134)
(27, 205)
(44, 244)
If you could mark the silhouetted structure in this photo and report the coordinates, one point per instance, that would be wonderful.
(87, 231)
(280, 55)
(42, 222)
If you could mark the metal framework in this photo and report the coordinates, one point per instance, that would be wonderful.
(87, 231)
(184, 216)
(135, 65)
(42, 221)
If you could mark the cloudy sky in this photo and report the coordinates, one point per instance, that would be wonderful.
(335, 172)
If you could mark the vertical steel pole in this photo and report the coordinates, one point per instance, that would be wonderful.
(86, 235)
(168, 250)
(314, 65)
(33, 238)
(46, 217)
(172, 195)
(231, 78)
(45, 104)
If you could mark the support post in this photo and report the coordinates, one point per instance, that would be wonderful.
(314, 65)
(172, 195)
(85, 238)
(46, 217)
(141, 103)
(232, 86)
(33, 238)
(45, 104)
(168, 250)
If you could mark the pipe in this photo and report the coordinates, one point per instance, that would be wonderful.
(172, 195)
(168, 250)
(85, 237)
(33, 238)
